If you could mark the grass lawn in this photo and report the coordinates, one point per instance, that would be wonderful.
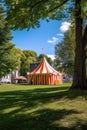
(24, 107)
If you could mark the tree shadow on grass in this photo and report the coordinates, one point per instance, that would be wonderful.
(38, 95)
(33, 97)
(41, 120)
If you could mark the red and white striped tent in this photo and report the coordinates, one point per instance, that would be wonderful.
(45, 74)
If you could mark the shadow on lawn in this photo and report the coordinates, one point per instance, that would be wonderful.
(39, 119)
(34, 97)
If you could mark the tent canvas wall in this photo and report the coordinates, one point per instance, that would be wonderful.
(45, 74)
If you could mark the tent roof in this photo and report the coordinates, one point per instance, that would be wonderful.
(44, 67)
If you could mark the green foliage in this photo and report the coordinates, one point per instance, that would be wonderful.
(8, 59)
(19, 55)
(5, 32)
(27, 58)
(27, 13)
(65, 52)
(40, 57)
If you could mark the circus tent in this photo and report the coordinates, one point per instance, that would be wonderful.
(45, 74)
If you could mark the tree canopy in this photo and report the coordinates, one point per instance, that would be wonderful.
(29, 13)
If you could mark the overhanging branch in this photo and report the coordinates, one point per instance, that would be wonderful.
(38, 3)
(44, 1)
(63, 2)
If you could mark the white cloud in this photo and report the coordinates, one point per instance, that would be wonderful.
(54, 40)
(51, 56)
(60, 34)
(65, 26)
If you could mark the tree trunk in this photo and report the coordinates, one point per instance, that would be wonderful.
(79, 78)
(84, 40)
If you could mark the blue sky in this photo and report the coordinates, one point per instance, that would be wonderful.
(47, 36)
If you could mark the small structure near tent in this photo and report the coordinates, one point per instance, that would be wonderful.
(20, 79)
(44, 74)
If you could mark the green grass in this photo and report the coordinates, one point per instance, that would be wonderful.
(24, 107)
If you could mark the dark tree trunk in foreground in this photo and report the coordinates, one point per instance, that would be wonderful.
(84, 40)
(79, 78)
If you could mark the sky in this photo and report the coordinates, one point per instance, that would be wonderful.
(41, 40)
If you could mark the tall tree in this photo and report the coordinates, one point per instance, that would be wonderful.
(65, 52)
(28, 13)
(5, 46)
(79, 80)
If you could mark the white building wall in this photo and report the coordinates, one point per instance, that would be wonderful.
(10, 77)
